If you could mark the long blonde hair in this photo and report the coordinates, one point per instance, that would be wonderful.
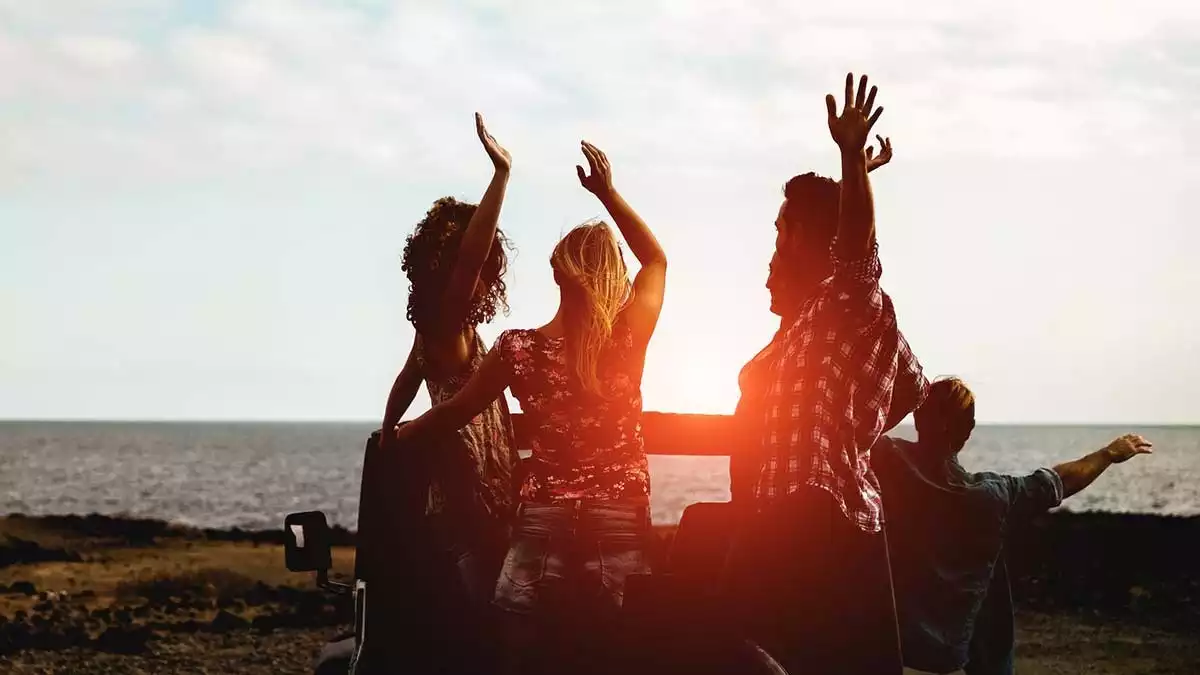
(591, 272)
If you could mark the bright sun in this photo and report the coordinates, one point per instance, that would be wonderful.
(688, 380)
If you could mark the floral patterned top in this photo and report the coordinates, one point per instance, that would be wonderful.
(478, 465)
(584, 446)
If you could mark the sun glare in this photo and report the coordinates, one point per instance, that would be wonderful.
(691, 380)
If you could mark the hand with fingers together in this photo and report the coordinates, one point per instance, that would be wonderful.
(885, 153)
(599, 181)
(851, 127)
(501, 160)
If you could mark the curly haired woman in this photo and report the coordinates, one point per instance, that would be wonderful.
(455, 261)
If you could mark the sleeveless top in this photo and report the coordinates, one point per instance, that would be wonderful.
(476, 467)
(584, 446)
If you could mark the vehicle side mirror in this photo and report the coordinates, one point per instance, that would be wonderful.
(306, 542)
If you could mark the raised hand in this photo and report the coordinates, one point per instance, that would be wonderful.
(851, 127)
(885, 153)
(599, 181)
(500, 157)
(1125, 447)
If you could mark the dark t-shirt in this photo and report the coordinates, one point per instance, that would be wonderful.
(946, 529)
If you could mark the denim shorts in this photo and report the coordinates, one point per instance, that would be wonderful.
(581, 548)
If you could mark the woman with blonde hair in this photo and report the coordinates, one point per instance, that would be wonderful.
(583, 518)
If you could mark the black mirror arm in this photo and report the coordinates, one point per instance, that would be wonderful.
(333, 586)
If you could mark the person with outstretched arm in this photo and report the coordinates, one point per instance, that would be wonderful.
(947, 528)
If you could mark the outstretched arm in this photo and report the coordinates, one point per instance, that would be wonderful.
(477, 240)
(856, 217)
(477, 394)
(649, 286)
(1078, 474)
(404, 390)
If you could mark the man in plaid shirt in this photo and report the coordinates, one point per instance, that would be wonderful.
(813, 565)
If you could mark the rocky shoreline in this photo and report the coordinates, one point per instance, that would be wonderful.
(103, 594)
(1119, 565)
(82, 590)
(59, 620)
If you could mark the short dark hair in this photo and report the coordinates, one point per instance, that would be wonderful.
(429, 256)
(812, 204)
(948, 412)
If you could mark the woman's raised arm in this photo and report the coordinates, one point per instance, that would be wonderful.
(477, 240)
(649, 286)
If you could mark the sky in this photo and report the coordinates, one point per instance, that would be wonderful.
(203, 204)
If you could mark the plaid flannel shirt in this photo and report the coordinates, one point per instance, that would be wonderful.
(832, 383)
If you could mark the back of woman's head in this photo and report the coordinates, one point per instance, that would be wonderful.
(429, 257)
(947, 416)
(591, 273)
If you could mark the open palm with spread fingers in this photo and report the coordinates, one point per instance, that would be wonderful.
(1128, 446)
(851, 128)
(500, 157)
(599, 181)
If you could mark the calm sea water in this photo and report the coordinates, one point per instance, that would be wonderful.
(252, 474)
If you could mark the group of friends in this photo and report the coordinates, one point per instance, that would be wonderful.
(818, 576)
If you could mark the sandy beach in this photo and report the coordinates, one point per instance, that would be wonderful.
(103, 595)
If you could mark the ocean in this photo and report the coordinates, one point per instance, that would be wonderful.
(250, 475)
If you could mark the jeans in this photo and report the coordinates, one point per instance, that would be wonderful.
(573, 547)
(563, 582)
(474, 555)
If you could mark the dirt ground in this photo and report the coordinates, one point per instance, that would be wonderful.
(82, 599)
(1048, 645)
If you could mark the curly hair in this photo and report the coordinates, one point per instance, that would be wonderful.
(429, 256)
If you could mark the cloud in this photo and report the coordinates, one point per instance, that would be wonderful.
(380, 87)
(153, 154)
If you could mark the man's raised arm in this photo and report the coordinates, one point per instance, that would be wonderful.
(850, 128)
